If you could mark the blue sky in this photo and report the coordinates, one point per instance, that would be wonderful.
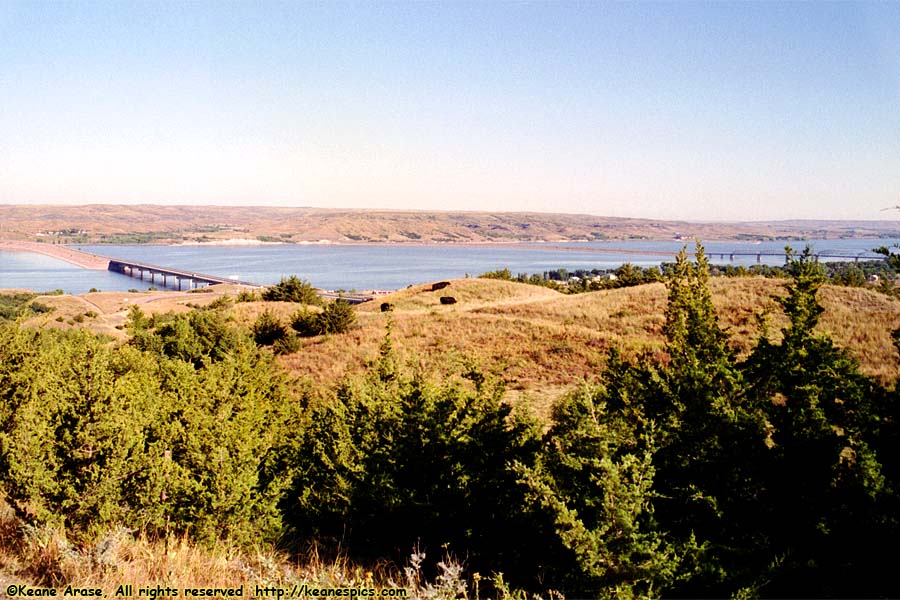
(704, 111)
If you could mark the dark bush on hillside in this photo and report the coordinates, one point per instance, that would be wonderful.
(306, 323)
(292, 289)
(14, 305)
(336, 317)
(268, 329)
(247, 296)
(289, 344)
(392, 462)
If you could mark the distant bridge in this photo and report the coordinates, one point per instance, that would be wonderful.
(139, 270)
(826, 254)
(817, 255)
(177, 279)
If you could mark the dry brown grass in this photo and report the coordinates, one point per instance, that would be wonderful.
(541, 342)
(469, 294)
(44, 557)
(111, 308)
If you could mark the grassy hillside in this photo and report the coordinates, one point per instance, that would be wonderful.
(539, 341)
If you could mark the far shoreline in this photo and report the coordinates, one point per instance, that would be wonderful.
(480, 243)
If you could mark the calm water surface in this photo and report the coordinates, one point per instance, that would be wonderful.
(381, 267)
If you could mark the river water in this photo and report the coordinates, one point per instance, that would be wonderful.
(365, 267)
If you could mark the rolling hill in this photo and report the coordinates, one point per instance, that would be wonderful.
(541, 342)
(217, 224)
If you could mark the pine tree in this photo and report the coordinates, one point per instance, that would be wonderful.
(821, 485)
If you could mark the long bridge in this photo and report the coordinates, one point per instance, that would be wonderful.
(177, 279)
(137, 269)
(140, 269)
(827, 254)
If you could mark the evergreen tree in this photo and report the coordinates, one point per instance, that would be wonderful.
(594, 483)
(393, 461)
(292, 289)
(822, 485)
(337, 317)
(267, 329)
(94, 437)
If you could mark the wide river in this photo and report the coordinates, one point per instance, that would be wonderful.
(386, 267)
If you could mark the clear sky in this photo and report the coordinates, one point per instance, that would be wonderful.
(704, 111)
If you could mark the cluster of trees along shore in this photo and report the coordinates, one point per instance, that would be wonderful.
(878, 274)
(699, 474)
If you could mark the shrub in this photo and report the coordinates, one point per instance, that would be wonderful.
(223, 301)
(391, 461)
(94, 437)
(306, 323)
(247, 296)
(69, 445)
(197, 337)
(289, 344)
(292, 289)
(40, 308)
(336, 317)
(12, 305)
(268, 329)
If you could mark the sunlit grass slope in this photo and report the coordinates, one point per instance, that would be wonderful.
(541, 342)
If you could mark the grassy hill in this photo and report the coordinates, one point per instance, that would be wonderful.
(541, 342)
